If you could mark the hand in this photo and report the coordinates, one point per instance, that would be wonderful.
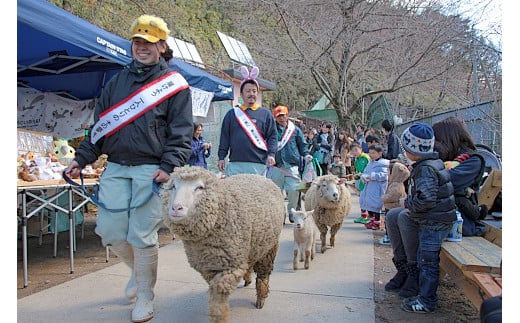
(73, 171)
(271, 161)
(308, 158)
(365, 178)
(221, 165)
(207, 145)
(160, 176)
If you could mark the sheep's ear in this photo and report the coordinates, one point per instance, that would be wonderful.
(293, 210)
(244, 72)
(341, 181)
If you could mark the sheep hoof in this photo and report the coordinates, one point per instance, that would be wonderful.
(260, 303)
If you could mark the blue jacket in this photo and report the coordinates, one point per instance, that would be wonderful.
(198, 155)
(370, 196)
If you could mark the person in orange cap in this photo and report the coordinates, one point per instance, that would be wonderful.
(143, 121)
(291, 147)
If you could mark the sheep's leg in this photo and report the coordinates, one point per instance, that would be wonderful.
(220, 287)
(302, 253)
(247, 276)
(263, 269)
(218, 307)
(323, 236)
(313, 251)
(307, 259)
(333, 230)
(295, 259)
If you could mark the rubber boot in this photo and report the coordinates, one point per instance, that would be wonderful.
(400, 277)
(145, 267)
(411, 285)
(124, 250)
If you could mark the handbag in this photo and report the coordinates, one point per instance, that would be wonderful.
(319, 156)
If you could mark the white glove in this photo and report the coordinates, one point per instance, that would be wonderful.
(308, 158)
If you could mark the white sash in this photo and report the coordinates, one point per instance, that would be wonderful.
(137, 104)
(250, 129)
(287, 135)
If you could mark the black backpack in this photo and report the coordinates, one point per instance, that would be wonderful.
(467, 199)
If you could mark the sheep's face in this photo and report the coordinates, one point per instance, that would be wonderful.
(300, 217)
(184, 194)
(330, 189)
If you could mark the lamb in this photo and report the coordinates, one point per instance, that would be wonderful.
(331, 201)
(229, 227)
(305, 234)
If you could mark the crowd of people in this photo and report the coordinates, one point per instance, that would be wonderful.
(407, 178)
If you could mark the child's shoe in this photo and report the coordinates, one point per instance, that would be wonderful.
(385, 241)
(363, 218)
(373, 225)
(414, 305)
(368, 220)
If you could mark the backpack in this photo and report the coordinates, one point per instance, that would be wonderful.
(467, 200)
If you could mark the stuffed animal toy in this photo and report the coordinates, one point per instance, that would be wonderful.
(64, 152)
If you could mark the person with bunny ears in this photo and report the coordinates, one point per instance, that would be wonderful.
(248, 132)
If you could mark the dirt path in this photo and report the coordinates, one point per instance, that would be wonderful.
(46, 271)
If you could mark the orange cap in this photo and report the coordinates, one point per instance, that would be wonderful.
(281, 109)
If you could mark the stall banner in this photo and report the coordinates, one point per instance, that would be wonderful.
(200, 101)
(51, 113)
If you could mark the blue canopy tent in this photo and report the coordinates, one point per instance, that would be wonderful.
(60, 52)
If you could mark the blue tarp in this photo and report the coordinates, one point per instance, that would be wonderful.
(60, 52)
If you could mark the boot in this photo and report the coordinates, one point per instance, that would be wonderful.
(411, 285)
(124, 250)
(145, 267)
(400, 277)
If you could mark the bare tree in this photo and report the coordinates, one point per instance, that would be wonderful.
(354, 49)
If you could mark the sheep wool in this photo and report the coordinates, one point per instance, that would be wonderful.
(228, 227)
(330, 199)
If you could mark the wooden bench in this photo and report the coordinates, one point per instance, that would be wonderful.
(475, 264)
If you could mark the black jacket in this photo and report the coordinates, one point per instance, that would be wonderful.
(430, 192)
(161, 136)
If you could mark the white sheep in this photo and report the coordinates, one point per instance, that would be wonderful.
(229, 227)
(305, 235)
(331, 201)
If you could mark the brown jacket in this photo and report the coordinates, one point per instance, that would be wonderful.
(395, 189)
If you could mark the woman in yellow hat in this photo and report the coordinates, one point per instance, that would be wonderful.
(144, 123)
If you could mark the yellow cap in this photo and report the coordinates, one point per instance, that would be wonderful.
(149, 27)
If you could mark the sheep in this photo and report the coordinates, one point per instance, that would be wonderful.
(305, 234)
(331, 201)
(229, 227)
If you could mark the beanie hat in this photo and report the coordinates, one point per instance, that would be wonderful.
(279, 110)
(149, 27)
(418, 139)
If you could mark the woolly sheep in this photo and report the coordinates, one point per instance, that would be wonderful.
(305, 235)
(331, 201)
(229, 227)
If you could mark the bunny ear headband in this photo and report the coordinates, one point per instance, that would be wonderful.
(249, 76)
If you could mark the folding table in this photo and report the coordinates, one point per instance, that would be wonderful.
(45, 201)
